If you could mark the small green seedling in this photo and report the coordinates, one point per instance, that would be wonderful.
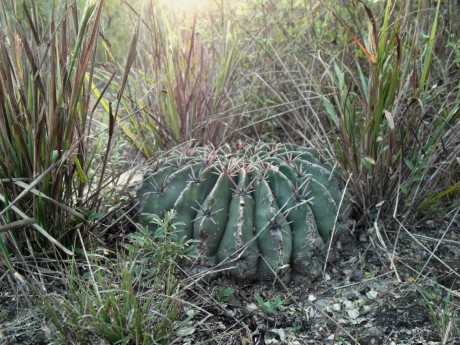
(225, 293)
(269, 307)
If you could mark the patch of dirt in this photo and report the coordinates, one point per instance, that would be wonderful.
(20, 323)
(360, 299)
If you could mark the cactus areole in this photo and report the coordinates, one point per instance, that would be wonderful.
(257, 210)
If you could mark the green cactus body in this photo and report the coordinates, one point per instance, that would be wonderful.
(320, 199)
(238, 239)
(320, 172)
(273, 232)
(325, 177)
(211, 220)
(164, 198)
(324, 208)
(190, 198)
(306, 241)
(256, 210)
(290, 149)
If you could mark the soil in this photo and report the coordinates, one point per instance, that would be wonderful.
(360, 299)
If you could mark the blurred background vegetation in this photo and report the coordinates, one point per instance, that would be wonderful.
(371, 83)
(88, 88)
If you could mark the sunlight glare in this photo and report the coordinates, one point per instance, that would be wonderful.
(190, 5)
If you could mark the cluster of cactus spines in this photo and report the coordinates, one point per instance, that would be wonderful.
(259, 209)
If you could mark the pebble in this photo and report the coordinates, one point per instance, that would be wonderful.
(336, 307)
(372, 294)
(312, 298)
(353, 313)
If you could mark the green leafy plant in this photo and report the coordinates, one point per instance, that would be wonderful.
(280, 204)
(384, 138)
(44, 113)
(160, 249)
(135, 299)
(442, 310)
(225, 293)
(270, 307)
(378, 94)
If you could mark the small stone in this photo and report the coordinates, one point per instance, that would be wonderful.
(366, 309)
(339, 245)
(353, 313)
(372, 294)
(347, 271)
(279, 334)
(251, 307)
(330, 340)
(311, 298)
(348, 304)
(336, 307)
(185, 331)
(230, 313)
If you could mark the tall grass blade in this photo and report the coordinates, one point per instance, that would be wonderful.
(429, 49)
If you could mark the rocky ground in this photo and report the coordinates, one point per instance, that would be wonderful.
(360, 299)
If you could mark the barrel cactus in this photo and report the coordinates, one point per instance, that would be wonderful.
(258, 210)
